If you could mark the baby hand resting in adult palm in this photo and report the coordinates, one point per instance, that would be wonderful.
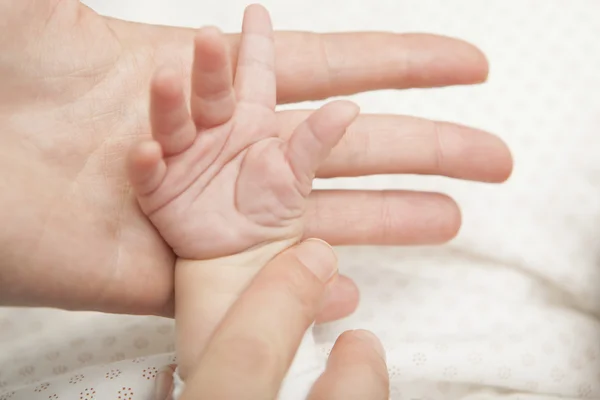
(223, 185)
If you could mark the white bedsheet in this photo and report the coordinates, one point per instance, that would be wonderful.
(508, 310)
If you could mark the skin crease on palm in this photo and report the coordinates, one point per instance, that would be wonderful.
(74, 97)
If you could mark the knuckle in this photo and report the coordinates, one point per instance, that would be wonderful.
(438, 130)
(388, 218)
(365, 149)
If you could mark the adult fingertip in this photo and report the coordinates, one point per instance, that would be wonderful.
(474, 61)
(372, 340)
(504, 161)
(163, 384)
(341, 300)
(318, 257)
(482, 72)
(356, 369)
(446, 214)
(444, 61)
(350, 108)
(454, 222)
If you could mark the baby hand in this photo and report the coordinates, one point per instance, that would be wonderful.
(222, 178)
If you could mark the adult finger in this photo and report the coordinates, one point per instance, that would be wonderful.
(384, 217)
(313, 66)
(340, 301)
(391, 144)
(258, 339)
(356, 370)
(163, 383)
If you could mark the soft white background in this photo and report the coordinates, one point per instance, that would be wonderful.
(510, 308)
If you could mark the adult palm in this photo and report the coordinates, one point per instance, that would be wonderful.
(74, 96)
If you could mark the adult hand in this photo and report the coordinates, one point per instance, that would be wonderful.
(73, 97)
(258, 339)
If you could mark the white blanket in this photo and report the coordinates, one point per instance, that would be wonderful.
(509, 310)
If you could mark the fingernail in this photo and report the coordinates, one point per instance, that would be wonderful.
(163, 384)
(318, 257)
(373, 341)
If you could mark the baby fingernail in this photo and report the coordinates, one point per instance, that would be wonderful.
(319, 257)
